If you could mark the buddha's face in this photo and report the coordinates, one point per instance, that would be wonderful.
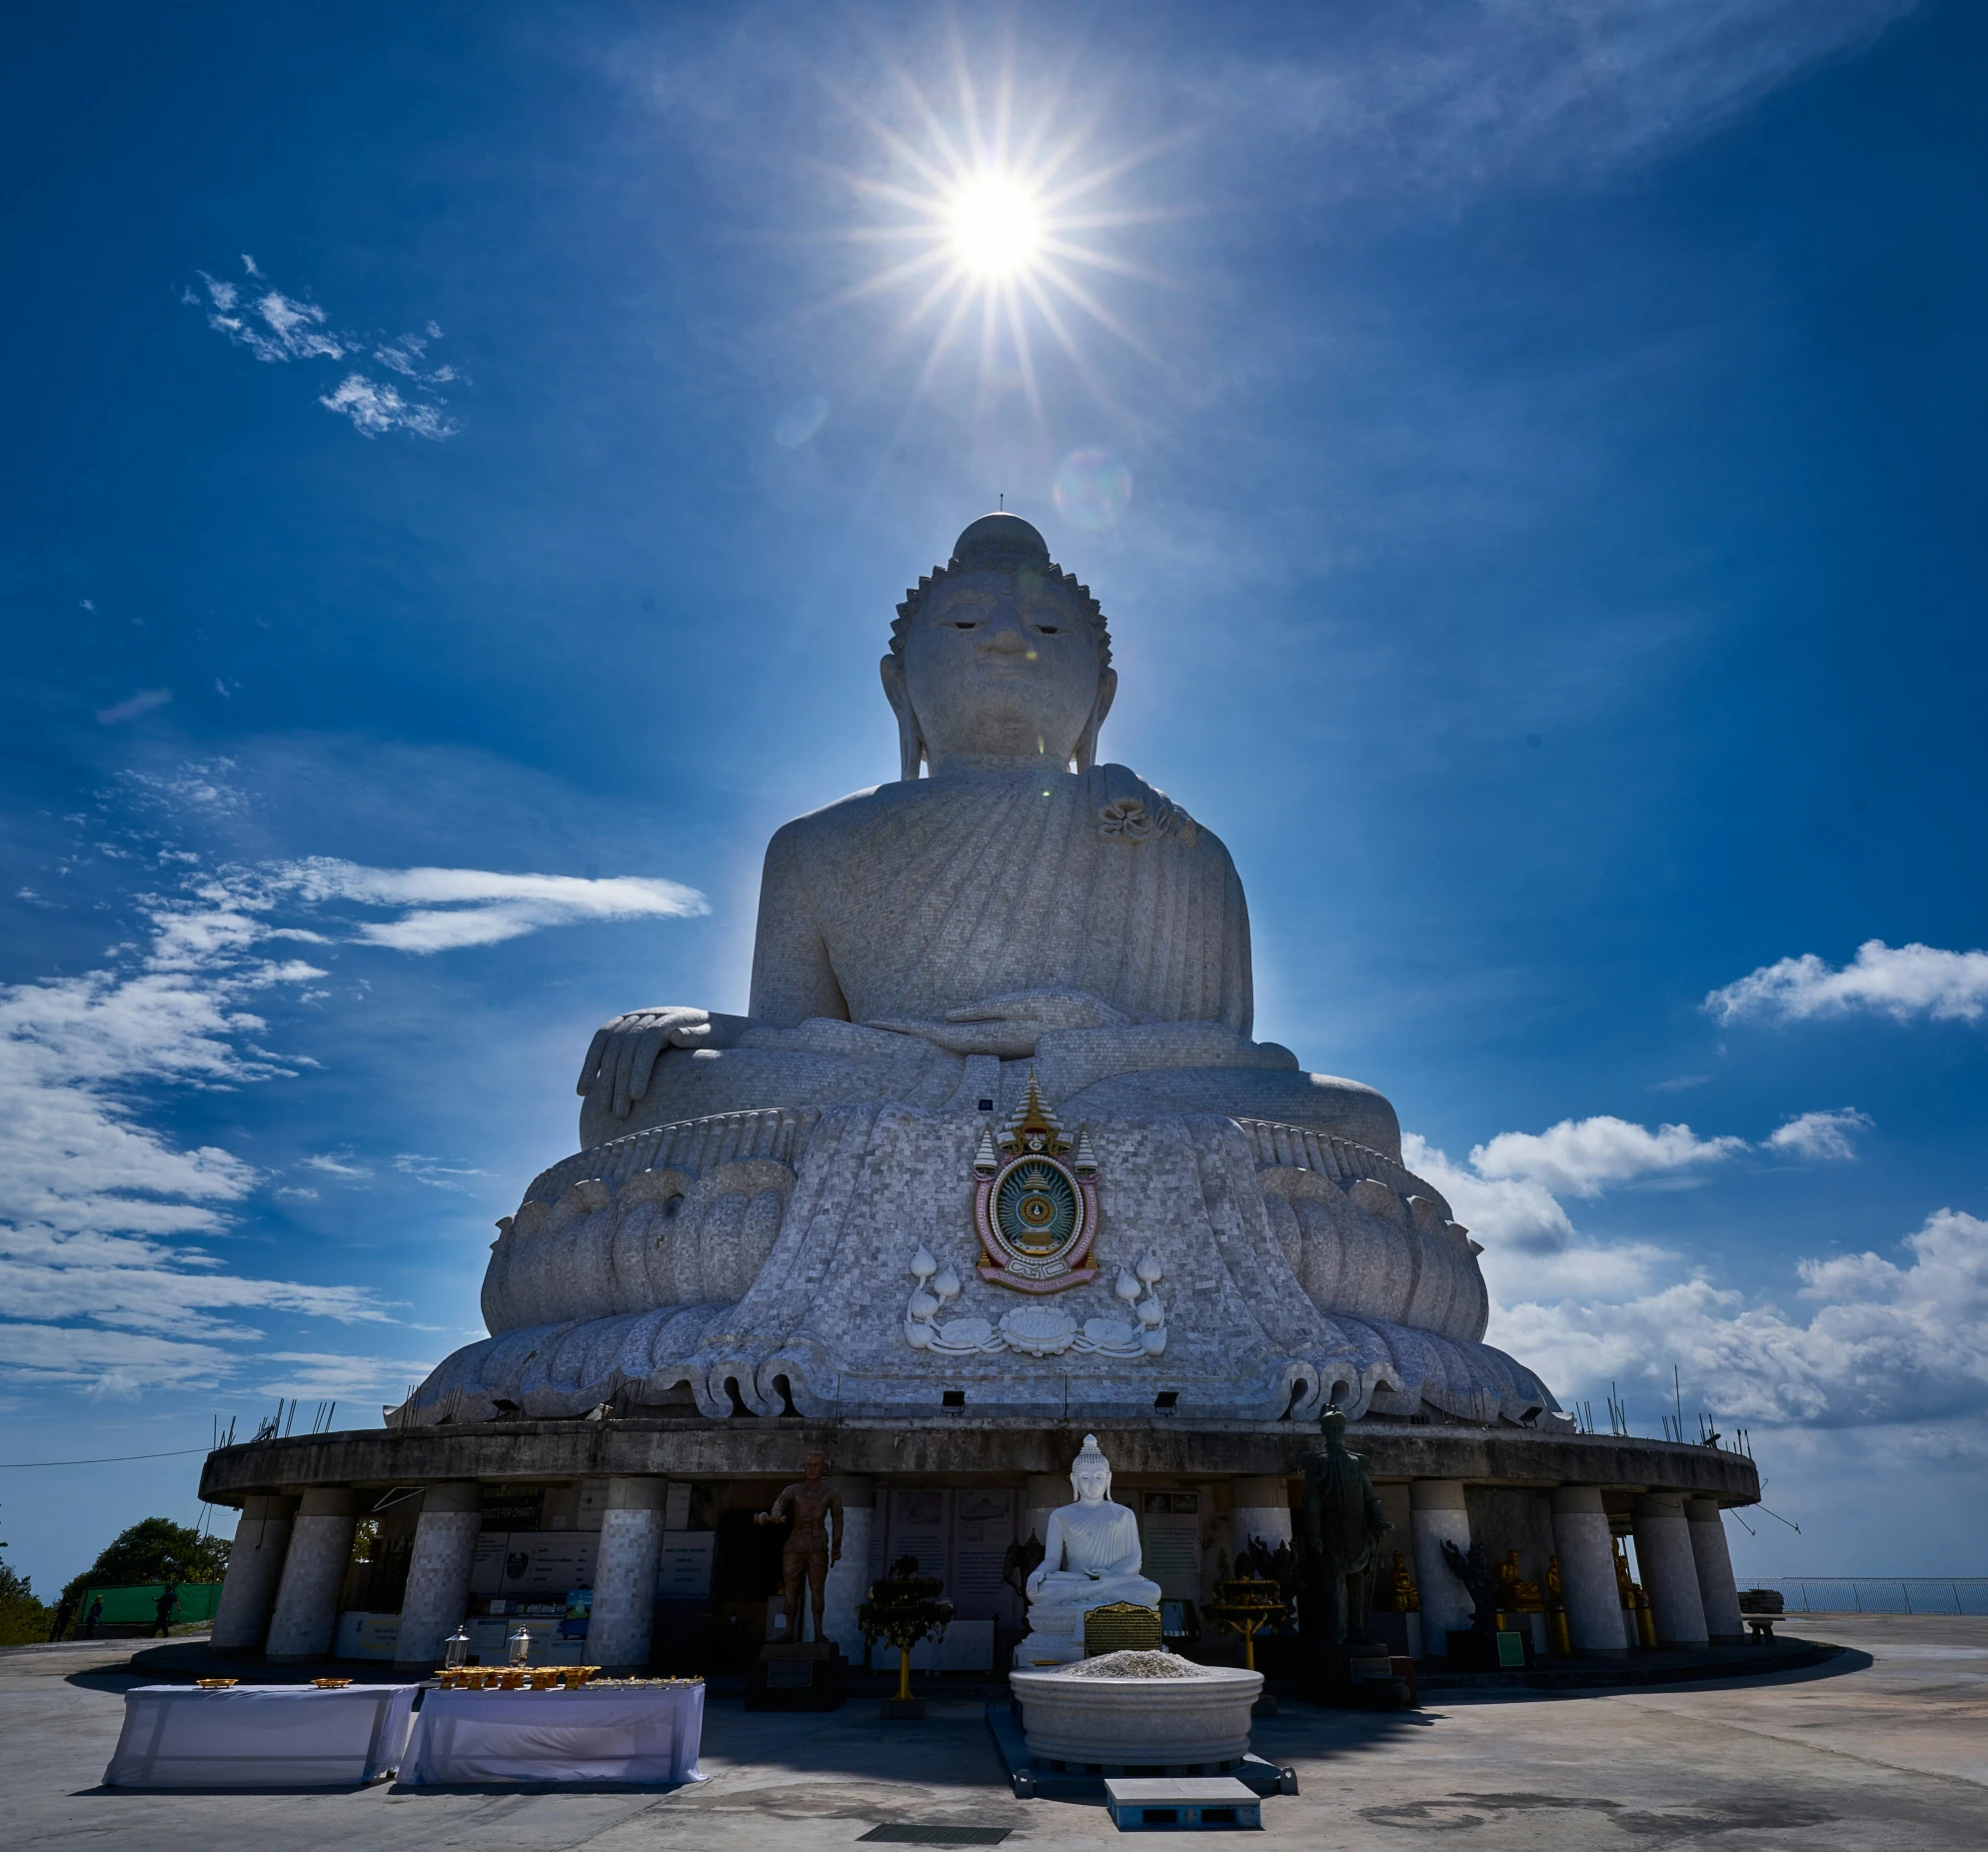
(1001, 666)
(1091, 1481)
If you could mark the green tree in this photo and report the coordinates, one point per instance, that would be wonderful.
(22, 1617)
(154, 1549)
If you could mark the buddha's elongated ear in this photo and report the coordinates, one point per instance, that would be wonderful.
(911, 743)
(1087, 743)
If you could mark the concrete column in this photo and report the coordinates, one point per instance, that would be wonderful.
(1716, 1587)
(849, 1580)
(438, 1576)
(1587, 1573)
(307, 1599)
(625, 1572)
(1669, 1570)
(255, 1567)
(1435, 1513)
(1257, 1508)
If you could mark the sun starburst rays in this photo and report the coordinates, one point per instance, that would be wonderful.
(979, 209)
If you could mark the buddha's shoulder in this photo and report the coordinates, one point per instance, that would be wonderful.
(1137, 812)
(1127, 810)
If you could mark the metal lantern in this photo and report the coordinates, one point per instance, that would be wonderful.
(456, 1649)
(521, 1646)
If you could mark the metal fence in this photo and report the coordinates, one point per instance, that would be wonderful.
(1881, 1594)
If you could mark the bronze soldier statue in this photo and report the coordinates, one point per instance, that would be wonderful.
(808, 1555)
(1343, 1525)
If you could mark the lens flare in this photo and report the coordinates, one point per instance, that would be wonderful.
(996, 225)
(1092, 488)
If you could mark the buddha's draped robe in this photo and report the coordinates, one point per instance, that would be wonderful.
(921, 896)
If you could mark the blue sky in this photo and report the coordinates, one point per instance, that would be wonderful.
(463, 463)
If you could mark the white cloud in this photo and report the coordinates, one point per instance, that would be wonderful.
(1822, 1135)
(1582, 1157)
(1513, 1211)
(1898, 981)
(1886, 1343)
(454, 908)
(1889, 1340)
(275, 328)
(375, 410)
(134, 705)
(432, 1171)
(103, 1281)
(333, 1375)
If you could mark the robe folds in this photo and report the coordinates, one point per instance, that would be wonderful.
(925, 896)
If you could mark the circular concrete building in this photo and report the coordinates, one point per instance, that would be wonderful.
(993, 1161)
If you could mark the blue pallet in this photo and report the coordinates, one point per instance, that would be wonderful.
(1223, 1804)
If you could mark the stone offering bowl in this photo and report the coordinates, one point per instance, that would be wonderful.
(1139, 1722)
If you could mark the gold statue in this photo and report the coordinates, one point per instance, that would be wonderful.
(1516, 1595)
(1397, 1594)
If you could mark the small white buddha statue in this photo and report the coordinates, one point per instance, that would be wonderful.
(1090, 1558)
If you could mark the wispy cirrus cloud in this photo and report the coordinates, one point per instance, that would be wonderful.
(1456, 97)
(108, 1277)
(1899, 981)
(277, 328)
(446, 908)
(133, 706)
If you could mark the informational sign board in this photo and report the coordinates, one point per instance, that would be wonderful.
(534, 1564)
(982, 1529)
(919, 1527)
(682, 1567)
(513, 1507)
(1170, 1537)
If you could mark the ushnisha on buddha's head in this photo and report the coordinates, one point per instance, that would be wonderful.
(999, 659)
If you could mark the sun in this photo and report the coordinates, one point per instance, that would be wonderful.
(996, 225)
(981, 215)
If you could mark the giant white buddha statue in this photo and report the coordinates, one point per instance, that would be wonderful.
(795, 1209)
(1021, 901)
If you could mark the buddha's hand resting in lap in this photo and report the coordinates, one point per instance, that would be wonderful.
(1009, 1025)
(623, 1053)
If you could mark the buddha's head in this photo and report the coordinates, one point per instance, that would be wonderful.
(1091, 1473)
(999, 658)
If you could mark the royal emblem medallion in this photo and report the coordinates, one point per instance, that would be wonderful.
(1035, 1200)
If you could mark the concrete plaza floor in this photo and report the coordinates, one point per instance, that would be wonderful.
(1885, 1748)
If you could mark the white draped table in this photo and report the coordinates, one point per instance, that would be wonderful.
(629, 1733)
(259, 1736)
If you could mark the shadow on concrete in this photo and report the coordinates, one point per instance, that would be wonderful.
(1821, 1660)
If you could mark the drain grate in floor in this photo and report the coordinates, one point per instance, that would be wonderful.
(936, 1835)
